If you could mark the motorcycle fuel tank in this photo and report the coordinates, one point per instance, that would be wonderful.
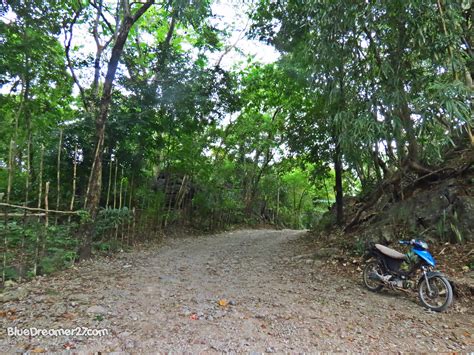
(426, 256)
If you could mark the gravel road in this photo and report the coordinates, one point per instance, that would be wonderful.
(166, 298)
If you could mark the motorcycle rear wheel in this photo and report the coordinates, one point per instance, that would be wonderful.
(441, 295)
(370, 267)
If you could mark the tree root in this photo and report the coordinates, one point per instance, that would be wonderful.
(392, 183)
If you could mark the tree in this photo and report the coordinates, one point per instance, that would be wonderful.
(126, 16)
(385, 77)
(36, 89)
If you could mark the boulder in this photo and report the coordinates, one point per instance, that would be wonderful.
(464, 209)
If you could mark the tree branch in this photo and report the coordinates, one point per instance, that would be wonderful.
(164, 46)
(126, 8)
(99, 50)
(232, 46)
(95, 31)
(67, 49)
(107, 23)
(35, 209)
(142, 10)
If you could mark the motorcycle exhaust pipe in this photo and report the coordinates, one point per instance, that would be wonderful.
(377, 277)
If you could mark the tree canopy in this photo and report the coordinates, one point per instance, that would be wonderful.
(119, 114)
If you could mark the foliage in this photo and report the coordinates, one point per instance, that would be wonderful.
(58, 247)
(166, 138)
(109, 219)
(386, 79)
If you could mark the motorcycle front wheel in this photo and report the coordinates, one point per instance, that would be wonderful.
(438, 296)
(372, 267)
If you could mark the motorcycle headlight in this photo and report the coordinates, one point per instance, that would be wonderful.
(423, 244)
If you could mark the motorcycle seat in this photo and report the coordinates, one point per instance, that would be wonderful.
(389, 252)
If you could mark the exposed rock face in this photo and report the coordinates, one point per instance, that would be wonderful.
(435, 209)
(444, 212)
(464, 207)
(178, 189)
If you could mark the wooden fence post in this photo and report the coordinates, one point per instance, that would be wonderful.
(9, 188)
(40, 191)
(133, 224)
(46, 218)
(120, 205)
(74, 178)
(58, 172)
(27, 192)
(110, 182)
(115, 183)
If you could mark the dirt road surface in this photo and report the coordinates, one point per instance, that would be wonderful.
(166, 298)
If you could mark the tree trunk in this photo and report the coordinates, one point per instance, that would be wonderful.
(95, 178)
(338, 187)
(407, 122)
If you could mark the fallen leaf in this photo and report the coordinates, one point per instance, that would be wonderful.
(69, 346)
(223, 302)
(194, 316)
(68, 315)
(38, 350)
(10, 314)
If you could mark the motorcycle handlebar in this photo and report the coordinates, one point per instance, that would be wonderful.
(404, 242)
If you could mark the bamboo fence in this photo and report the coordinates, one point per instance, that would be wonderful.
(28, 253)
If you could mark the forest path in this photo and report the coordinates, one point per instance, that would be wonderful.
(166, 298)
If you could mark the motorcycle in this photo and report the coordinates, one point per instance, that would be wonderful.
(414, 270)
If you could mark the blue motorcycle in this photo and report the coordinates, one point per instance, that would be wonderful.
(415, 270)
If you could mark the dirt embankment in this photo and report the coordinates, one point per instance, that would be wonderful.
(251, 290)
(437, 205)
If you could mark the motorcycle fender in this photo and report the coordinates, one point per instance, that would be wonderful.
(431, 274)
